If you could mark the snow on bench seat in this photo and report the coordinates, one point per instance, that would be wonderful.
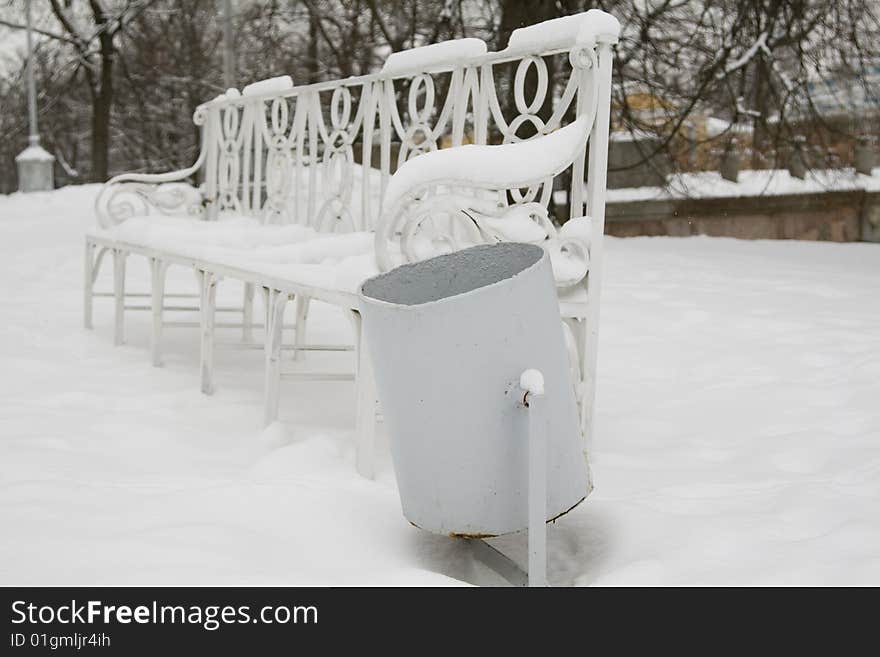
(176, 232)
(297, 255)
(234, 235)
(345, 271)
(338, 263)
(333, 276)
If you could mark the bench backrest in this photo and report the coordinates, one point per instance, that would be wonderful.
(301, 155)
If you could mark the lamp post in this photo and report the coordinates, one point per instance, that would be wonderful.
(35, 164)
(228, 47)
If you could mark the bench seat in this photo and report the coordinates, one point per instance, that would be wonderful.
(192, 236)
(327, 265)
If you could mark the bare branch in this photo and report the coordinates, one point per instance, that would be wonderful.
(46, 33)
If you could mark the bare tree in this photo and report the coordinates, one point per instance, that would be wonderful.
(119, 79)
(756, 63)
(93, 32)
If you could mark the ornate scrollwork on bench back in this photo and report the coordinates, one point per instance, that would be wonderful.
(322, 154)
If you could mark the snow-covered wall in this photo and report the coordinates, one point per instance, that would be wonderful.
(838, 216)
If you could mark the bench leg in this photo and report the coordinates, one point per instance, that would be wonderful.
(586, 380)
(267, 307)
(366, 400)
(247, 313)
(277, 301)
(208, 306)
(589, 385)
(89, 284)
(157, 271)
(574, 340)
(119, 257)
(302, 317)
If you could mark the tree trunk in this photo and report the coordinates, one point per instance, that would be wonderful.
(312, 53)
(102, 104)
(760, 138)
(101, 135)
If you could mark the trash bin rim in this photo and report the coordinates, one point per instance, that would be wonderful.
(391, 304)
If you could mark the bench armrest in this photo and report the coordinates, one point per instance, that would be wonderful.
(449, 199)
(139, 194)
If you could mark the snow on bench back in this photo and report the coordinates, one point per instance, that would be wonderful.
(436, 55)
(566, 32)
(268, 86)
(293, 154)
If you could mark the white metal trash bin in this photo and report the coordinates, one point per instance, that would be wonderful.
(449, 338)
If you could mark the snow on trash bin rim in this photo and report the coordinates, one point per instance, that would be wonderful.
(451, 275)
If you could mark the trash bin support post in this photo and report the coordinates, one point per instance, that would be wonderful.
(532, 385)
(532, 382)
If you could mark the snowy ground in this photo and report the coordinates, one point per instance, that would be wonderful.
(738, 436)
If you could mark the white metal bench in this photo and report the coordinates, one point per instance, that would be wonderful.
(284, 206)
